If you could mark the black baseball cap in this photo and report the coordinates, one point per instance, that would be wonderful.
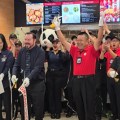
(55, 40)
(115, 37)
(108, 37)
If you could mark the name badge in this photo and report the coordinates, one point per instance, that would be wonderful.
(79, 60)
(3, 59)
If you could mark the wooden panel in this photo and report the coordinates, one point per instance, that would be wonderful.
(7, 17)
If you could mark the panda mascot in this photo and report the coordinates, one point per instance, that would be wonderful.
(47, 37)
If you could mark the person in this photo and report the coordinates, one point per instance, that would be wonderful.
(30, 64)
(84, 64)
(13, 39)
(70, 106)
(54, 77)
(114, 73)
(6, 62)
(15, 93)
(18, 46)
(110, 52)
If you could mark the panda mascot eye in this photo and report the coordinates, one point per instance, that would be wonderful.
(48, 36)
(44, 36)
(51, 38)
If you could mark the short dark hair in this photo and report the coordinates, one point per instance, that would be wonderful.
(28, 33)
(13, 36)
(93, 34)
(84, 33)
(73, 37)
(2, 37)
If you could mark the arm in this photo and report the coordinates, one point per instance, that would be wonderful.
(103, 51)
(56, 22)
(114, 55)
(97, 43)
(16, 66)
(9, 63)
(102, 55)
(62, 39)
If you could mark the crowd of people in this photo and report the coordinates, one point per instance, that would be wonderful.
(85, 69)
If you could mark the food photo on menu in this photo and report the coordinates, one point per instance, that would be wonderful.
(71, 13)
(34, 13)
(111, 8)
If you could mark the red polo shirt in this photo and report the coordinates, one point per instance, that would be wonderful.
(84, 62)
(110, 58)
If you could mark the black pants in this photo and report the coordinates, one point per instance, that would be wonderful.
(114, 93)
(35, 97)
(84, 97)
(6, 98)
(54, 86)
(98, 98)
(69, 96)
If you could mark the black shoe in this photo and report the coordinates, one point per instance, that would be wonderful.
(53, 116)
(58, 116)
(69, 114)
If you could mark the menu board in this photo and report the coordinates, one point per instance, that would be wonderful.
(89, 13)
(112, 10)
(51, 10)
(80, 12)
(70, 13)
(34, 13)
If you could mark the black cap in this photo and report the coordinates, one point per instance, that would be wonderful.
(108, 37)
(115, 37)
(13, 36)
(55, 40)
(18, 43)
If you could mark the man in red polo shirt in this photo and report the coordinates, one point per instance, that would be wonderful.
(84, 64)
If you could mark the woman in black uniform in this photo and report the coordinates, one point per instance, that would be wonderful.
(6, 62)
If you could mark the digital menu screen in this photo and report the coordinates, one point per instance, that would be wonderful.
(71, 12)
(90, 12)
(112, 10)
(51, 10)
(80, 12)
(34, 13)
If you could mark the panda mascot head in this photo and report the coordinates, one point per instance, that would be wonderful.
(48, 36)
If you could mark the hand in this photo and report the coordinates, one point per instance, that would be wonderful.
(85, 30)
(1, 76)
(56, 22)
(113, 74)
(107, 47)
(26, 82)
(101, 20)
(14, 79)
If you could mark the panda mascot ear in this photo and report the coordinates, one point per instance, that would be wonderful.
(48, 36)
